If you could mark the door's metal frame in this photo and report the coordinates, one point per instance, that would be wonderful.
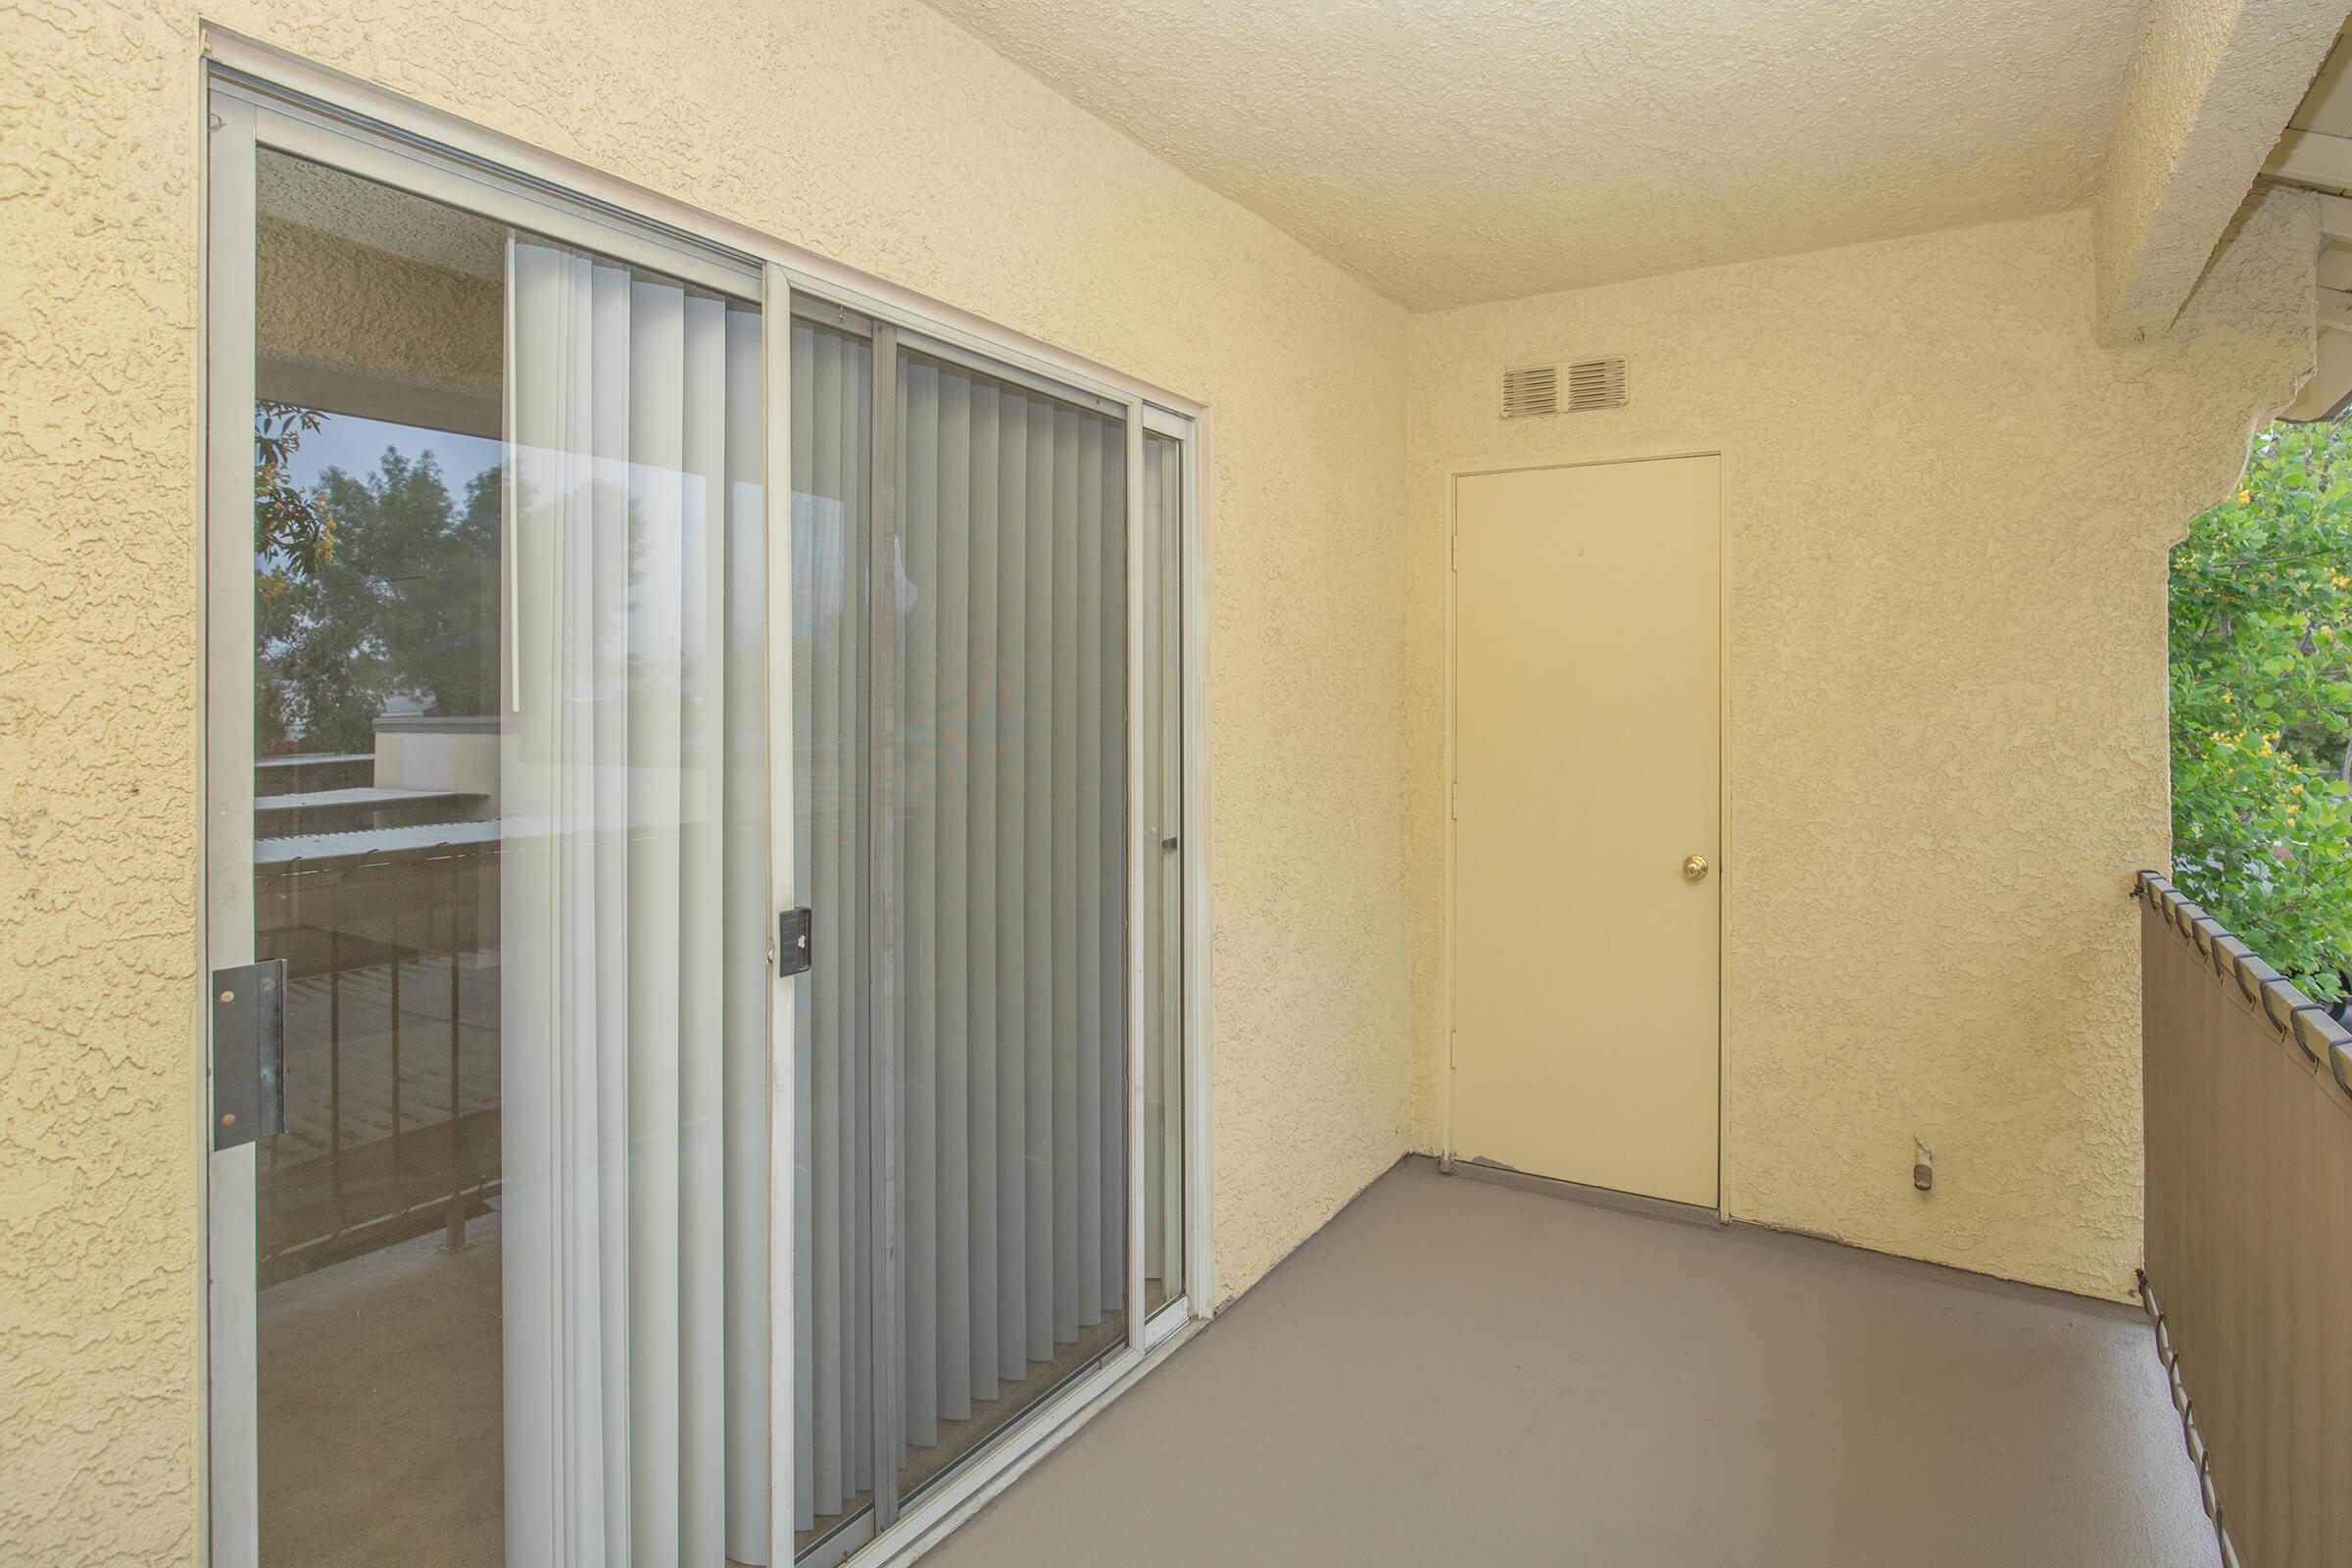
(881, 902)
(1140, 851)
(775, 347)
(1456, 474)
(257, 95)
(232, 1499)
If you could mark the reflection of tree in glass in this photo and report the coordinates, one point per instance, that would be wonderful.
(388, 587)
(294, 525)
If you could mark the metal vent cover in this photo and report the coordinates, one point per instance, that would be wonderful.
(1531, 391)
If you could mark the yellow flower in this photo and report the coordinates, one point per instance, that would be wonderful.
(2244, 496)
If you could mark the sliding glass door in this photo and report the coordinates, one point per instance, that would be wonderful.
(489, 913)
(966, 1061)
(695, 784)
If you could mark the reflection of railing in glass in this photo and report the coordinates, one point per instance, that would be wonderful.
(376, 870)
(389, 929)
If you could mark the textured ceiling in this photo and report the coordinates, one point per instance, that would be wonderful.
(1452, 151)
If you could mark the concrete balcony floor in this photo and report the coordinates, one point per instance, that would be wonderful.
(1454, 1371)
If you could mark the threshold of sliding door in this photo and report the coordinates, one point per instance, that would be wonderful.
(836, 1547)
(962, 1491)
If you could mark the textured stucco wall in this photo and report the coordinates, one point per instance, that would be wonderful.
(872, 131)
(1948, 511)
(325, 301)
(2211, 84)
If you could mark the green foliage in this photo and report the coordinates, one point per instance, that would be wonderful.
(2262, 706)
(403, 601)
(295, 527)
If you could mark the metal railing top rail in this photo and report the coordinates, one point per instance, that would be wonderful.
(2291, 1013)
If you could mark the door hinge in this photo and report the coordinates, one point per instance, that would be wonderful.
(1453, 802)
(792, 942)
(1453, 551)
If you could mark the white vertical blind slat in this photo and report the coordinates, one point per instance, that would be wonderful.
(699, 938)
(916, 934)
(655, 633)
(982, 1007)
(1015, 741)
(951, 743)
(1063, 677)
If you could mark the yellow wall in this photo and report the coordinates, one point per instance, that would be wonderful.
(1948, 511)
(870, 131)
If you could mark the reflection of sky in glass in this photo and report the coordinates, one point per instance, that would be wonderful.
(356, 445)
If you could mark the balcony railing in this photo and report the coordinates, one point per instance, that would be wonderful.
(2248, 1087)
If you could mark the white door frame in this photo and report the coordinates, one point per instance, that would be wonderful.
(1727, 873)
(260, 96)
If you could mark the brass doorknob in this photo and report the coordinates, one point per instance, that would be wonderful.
(1696, 868)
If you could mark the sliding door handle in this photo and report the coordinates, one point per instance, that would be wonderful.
(249, 1053)
(792, 942)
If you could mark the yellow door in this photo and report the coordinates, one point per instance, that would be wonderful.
(1588, 760)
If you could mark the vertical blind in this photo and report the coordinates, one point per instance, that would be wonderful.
(633, 922)
(976, 753)
(1009, 785)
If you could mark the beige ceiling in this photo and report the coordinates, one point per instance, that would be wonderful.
(1452, 151)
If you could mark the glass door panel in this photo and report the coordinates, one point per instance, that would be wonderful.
(962, 832)
(1162, 745)
(1006, 788)
(507, 807)
(377, 589)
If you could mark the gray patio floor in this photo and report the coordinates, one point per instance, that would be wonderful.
(1456, 1372)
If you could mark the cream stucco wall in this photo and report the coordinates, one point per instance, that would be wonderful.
(1947, 510)
(870, 130)
(2211, 82)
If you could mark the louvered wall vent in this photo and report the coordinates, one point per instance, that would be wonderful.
(1531, 391)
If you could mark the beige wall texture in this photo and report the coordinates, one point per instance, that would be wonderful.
(1948, 511)
(872, 131)
(2211, 84)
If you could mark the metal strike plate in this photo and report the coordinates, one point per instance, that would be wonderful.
(792, 942)
(249, 1053)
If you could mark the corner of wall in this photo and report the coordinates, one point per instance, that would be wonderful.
(1948, 510)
